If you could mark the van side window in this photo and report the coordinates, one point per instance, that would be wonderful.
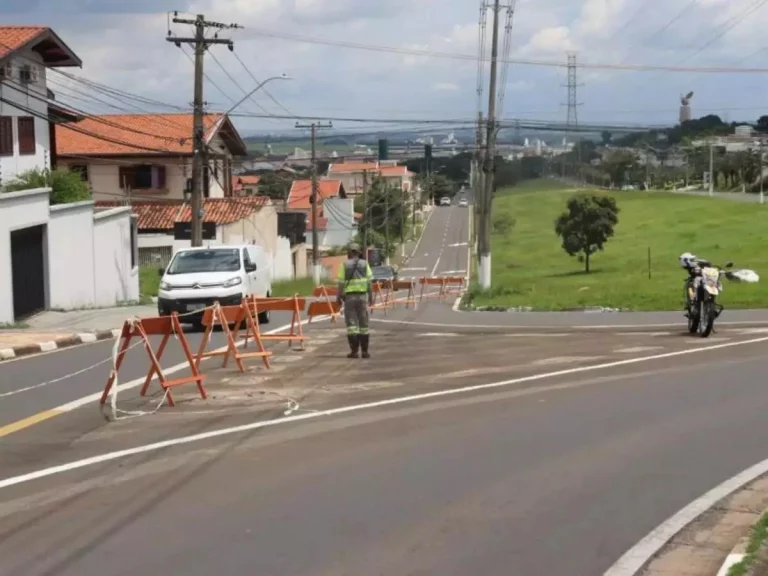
(246, 259)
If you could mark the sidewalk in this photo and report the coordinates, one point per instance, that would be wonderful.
(52, 330)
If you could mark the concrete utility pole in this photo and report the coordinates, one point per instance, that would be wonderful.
(762, 196)
(200, 151)
(316, 267)
(484, 228)
(711, 169)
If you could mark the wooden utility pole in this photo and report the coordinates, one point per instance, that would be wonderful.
(314, 198)
(484, 228)
(200, 45)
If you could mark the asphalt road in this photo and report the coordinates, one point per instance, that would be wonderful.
(558, 477)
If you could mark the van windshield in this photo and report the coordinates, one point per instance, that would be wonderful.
(216, 260)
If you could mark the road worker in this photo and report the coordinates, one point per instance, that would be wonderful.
(356, 292)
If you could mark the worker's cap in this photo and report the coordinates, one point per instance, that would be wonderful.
(354, 247)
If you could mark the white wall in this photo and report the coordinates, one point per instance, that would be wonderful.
(87, 256)
(71, 273)
(116, 279)
(10, 166)
(340, 213)
(17, 210)
(282, 263)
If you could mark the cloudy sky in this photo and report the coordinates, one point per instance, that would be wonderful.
(122, 44)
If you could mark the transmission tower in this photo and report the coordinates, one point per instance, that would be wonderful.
(572, 120)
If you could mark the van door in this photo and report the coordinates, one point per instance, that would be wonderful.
(257, 282)
(249, 277)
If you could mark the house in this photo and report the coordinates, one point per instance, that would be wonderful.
(26, 54)
(354, 175)
(245, 185)
(164, 228)
(148, 156)
(336, 222)
(65, 256)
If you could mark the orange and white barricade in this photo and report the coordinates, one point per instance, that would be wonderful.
(382, 290)
(295, 305)
(325, 306)
(429, 281)
(238, 316)
(410, 297)
(455, 285)
(143, 328)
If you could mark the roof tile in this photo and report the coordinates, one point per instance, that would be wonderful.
(301, 192)
(14, 37)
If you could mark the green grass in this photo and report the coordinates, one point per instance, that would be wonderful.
(149, 283)
(531, 269)
(757, 538)
(286, 288)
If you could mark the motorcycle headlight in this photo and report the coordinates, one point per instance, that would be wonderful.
(232, 282)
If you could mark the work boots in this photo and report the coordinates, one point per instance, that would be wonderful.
(364, 345)
(354, 345)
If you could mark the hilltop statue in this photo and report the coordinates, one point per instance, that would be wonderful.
(686, 100)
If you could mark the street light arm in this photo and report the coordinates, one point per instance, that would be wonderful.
(252, 92)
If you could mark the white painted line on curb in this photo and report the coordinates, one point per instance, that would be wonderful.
(47, 346)
(7, 353)
(725, 489)
(638, 556)
(561, 327)
(86, 338)
(730, 560)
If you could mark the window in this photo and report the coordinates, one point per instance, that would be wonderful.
(27, 135)
(142, 177)
(197, 261)
(6, 136)
(81, 169)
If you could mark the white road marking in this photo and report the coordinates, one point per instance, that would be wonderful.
(635, 349)
(561, 327)
(411, 269)
(437, 263)
(452, 271)
(751, 330)
(77, 464)
(637, 556)
(458, 244)
(564, 360)
(439, 334)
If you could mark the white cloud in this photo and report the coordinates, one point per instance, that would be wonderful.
(521, 86)
(445, 87)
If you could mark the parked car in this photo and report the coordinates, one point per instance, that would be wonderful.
(198, 277)
(445, 201)
(463, 203)
(384, 273)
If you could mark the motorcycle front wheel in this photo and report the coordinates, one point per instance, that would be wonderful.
(706, 318)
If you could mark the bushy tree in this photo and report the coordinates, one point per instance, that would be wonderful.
(586, 225)
(66, 186)
(274, 186)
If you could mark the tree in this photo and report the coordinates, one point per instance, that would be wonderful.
(385, 212)
(274, 186)
(66, 186)
(586, 225)
(762, 124)
(606, 136)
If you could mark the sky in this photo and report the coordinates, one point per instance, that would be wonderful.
(122, 44)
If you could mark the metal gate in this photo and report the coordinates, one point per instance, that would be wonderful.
(27, 271)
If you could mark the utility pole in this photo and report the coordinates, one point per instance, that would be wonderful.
(313, 127)
(200, 44)
(365, 220)
(484, 232)
(572, 120)
(386, 225)
(762, 197)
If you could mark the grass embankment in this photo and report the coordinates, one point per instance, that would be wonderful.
(531, 269)
(286, 288)
(756, 543)
(149, 283)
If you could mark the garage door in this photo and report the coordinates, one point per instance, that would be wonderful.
(27, 271)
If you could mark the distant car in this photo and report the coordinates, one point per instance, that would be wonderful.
(384, 273)
(463, 203)
(445, 201)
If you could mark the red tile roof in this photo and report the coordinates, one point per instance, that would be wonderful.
(394, 171)
(54, 51)
(134, 134)
(161, 215)
(301, 192)
(239, 182)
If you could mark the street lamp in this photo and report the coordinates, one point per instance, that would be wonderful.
(259, 87)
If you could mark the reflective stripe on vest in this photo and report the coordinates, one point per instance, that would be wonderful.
(355, 280)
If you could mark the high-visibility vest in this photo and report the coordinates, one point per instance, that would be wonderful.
(355, 276)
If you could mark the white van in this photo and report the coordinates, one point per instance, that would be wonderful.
(198, 277)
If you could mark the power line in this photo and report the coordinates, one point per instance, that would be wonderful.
(237, 84)
(258, 82)
(520, 61)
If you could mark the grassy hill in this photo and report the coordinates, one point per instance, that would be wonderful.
(531, 269)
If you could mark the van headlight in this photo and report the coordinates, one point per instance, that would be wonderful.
(232, 282)
(165, 286)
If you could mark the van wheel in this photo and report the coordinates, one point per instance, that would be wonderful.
(264, 316)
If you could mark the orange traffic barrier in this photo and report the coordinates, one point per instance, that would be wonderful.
(410, 297)
(454, 284)
(382, 290)
(427, 281)
(165, 326)
(224, 316)
(296, 305)
(326, 306)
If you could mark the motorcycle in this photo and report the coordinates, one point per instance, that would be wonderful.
(702, 290)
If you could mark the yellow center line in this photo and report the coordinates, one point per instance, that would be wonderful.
(29, 421)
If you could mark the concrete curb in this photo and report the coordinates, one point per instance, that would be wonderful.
(734, 557)
(66, 342)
